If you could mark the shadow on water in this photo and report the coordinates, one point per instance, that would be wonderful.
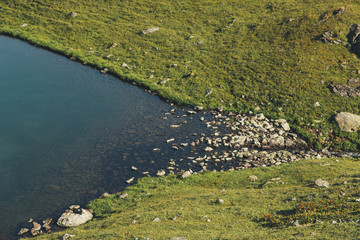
(69, 133)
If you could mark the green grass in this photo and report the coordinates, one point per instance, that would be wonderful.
(269, 57)
(194, 200)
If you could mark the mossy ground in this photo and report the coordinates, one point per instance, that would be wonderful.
(252, 53)
(192, 201)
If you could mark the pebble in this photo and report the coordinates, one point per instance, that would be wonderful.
(130, 180)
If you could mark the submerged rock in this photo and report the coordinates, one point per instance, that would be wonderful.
(72, 219)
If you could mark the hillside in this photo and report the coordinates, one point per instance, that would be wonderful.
(242, 55)
(192, 207)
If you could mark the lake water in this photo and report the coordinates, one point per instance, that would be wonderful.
(69, 133)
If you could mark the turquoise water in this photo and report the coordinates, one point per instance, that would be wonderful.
(69, 133)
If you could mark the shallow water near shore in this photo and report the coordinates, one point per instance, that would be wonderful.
(69, 133)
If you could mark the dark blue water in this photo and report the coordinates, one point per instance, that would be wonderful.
(69, 133)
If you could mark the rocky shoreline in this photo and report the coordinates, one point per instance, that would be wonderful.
(239, 141)
(234, 142)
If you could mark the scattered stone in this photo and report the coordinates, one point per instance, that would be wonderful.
(104, 195)
(252, 178)
(134, 168)
(72, 219)
(23, 231)
(322, 183)
(178, 238)
(150, 30)
(170, 140)
(23, 25)
(220, 201)
(191, 112)
(105, 70)
(339, 11)
(114, 45)
(130, 180)
(175, 126)
(354, 39)
(348, 122)
(164, 81)
(109, 56)
(175, 147)
(46, 224)
(186, 174)
(317, 104)
(208, 149)
(67, 236)
(198, 108)
(72, 14)
(156, 149)
(36, 226)
(124, 195)
(161, 172)
(283, 124)
(296, 223)
(157, 220)
(208, 92)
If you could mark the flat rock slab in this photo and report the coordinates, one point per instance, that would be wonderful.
(71, 219)
(348, 122)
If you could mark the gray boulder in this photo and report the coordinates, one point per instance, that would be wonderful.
(348, 122)
(72, 218)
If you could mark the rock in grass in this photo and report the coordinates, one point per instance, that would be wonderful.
(186, 174)
(150, 30)
(322, 183)
(252, 178)
(72, 14)
(67, 236)
(220, 201)
(157, 220)
(348, 122)
(208, 92)
(72, 219)
(23, 25)
(178, 238)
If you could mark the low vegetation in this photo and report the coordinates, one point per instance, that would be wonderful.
(191, 208)
(254, 55)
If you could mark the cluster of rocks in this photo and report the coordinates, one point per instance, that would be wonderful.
(239, 141)
(37, 228)
(351, 89)
(72, 217)
(329, 37)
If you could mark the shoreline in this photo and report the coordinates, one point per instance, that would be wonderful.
(218, 115)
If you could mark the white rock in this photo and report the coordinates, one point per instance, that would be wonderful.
(130, 180)
(71, 219)
(186, 174)
(322, 183)
(161, 172)
(284, 124)
(208, 149)
(348, 122)
(150, 30)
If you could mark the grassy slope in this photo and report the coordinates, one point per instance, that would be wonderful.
(263, 59)
(193, 199)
